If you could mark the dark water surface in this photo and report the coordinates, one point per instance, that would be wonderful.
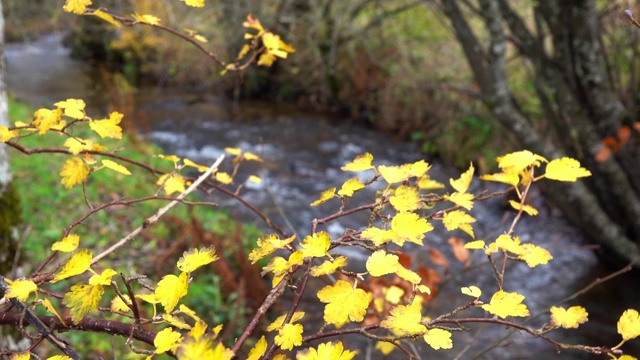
(303, 153)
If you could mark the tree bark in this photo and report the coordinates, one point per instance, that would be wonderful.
(580, 105)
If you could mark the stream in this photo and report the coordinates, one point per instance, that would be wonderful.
(303, 153)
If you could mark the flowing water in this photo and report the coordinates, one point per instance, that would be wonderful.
(303, 153)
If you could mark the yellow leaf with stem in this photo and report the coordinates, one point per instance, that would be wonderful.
(166, 340)
(171, 289)
(395, 174)
(6, 134)
(73, 108)
(194, 3)
(350, 186)
(104, 278)
(409, 227)
(82, 299)
(278, 323)
(77, 264)
(108, 128)
(509, 243)
(344, 303)
(458, 219)
(273, 44)
(266, 59)
(194, 258)
(76, 6)
(325, 196)
(505, 304)
(200, 168)
(267, 244)
(568, 318)
(565, 169)
(378, 236)
(249, 156)
(198, 329)
(68, 244)
(328, 266)
(176, 322)
(147, 19)
(289, 335)
(464, 200)
(419, 168)
(510, 178)
(438, 339)
(117, 304)
(408, 275)
(45, 119)
(534, 255)
(530, 210)
(115, 167)
(203, 348)
(360, 163)
(405, 320)
(472, 291)
(224, 178)
(405, 198)
(328, 350)
(258, 350)
(629, 324)
(519, 160)
(461, 185)
(106, 17)
(316, 245)
(21, 289)
(76, 145)
(74, 172)
(380, 263)
(426, 183)
(50, 308)
(172, 158)
(172, 183)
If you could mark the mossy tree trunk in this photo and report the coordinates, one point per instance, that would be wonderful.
(580, 96)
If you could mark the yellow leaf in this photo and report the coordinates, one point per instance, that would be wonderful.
(21, 289)
(106, 17)
(233, 151)
(344, 303)
(244, 51)
(103, 279)
(534, 255)
(426, 183)
(147, 19)
(21, 356)
(438, 339)
(194, 3)
(115, 167)
(464, 200)
(272, 44)
(461, 185)
(278, 266)
(171, 289)
(59, 357)
(76, 146)
(478, 244)
(266, 245)
(78, 264)
(385, 347)
(472, 291)
(360, 163)
(249, 156)
(393, 294)
(118, 305)
(194, 258)
(45, 119)
(200, 168)
(627, 357)
(325, 196)
(73, 108)
(328, 266)
(76, 6)
(266, 59)
(510, 178)
(378, 236)
(530, 210)
(224, 178)
(395, 174)
(172, 158)
(289, 336)
(172, 183)
(409, 227)
(519, 160)
(198, 330)
(328, 350)
(406, 198)
(108, 128)
(203, 348)
(629, 324)
(408, 275)
(568, 318)
(166, 340)
(419, 168)
(68, 244)
(505, 304)
(565, 169)
(380, 263)
(74, 172)
(6, 134)
(277, 323)
(82, 299)
(457, 219)
(316, 245)
(150, 298)
(186, 310)
(176, 322)
(424, 289)
(258, 350)
(254, 179)
(350, 186)
(49, 306)
(510, 244)
(405, 320)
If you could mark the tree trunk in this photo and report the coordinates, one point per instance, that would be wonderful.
(580, 106)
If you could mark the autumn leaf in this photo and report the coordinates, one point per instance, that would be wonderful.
(82, 299)
(380, 263)
(472, 291)
(198, 329)
(329, 267)
(461, 185)
(409, 227)
(405, 320)
(316, 245)
(73, 108)
(258, 350)
(171, 289)
(325, 196)
(68, 244)
(45, 119)
(147, 19)
(21, 356)
(194, 258)
(6, 134)
(475, 245)
(568, 318)
(328, 350)
(172, 183)
(350, 186)
(629, 324)
(458, 219)
(106, 17)
(459, 251)
(509, 243)
(77, 264)
(118, 305)
(278, 323)
(530, 210)
(438, 339)
(166, 340)
(289, 335)
(405, 198)
(385, 347)
(115, 167)
(104, 278)
(378, 236)
(76, 146)
(74, 172)
(534, 255)
(224, 178)
(176, 322)
(203, 348)
(21, 289)
(50, 308)
(395, 174)
(76, 6)
(505, 304)
(426, 183)
(565, 169)
(360, 163)
(393, 294)
(519, 160)
(108, 128)
(267, 244)
(464, 200)
(194, 3)
(344, 303)
(510, 178)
